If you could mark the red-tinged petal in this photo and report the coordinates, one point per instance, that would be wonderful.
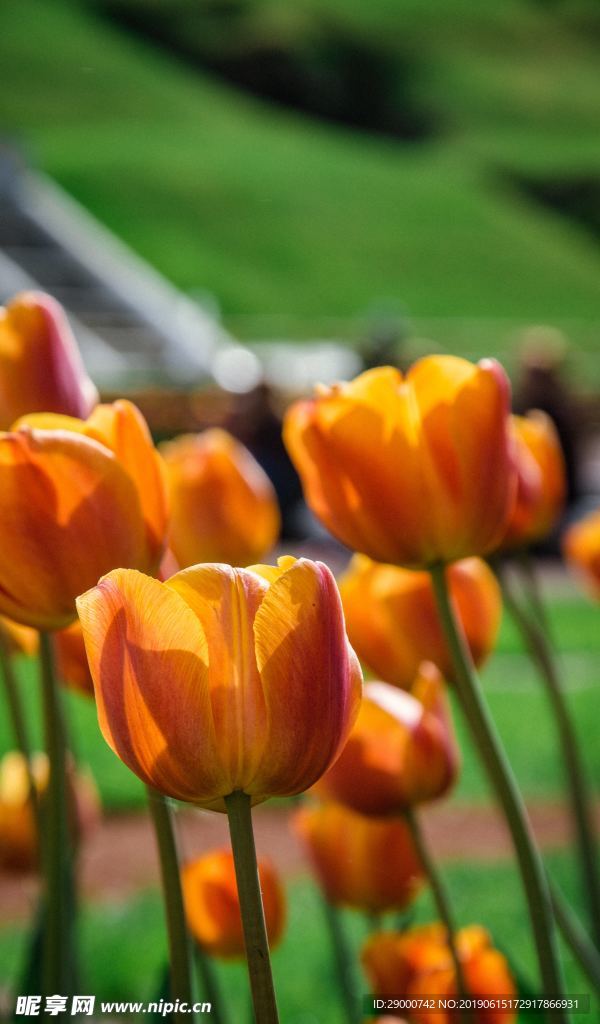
(149, 661)
(40, 365)
(310, 676)
(69, 513)
(226, 602)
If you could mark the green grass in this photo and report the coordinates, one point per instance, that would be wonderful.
(515, 696)
(302, 223)
(117, 966)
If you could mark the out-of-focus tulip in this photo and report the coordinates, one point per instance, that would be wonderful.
(409, 470)
(367, 863)
(223, 505)
(76, 500)
(401, 750)
(418, 962)
(17, 639)
(541, 480)
(72, 666)
(212, 905)
(18, 832)
(40, 365)
(223, 679)
(393, 622)
(581, 547)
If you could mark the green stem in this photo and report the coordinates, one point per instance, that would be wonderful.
(179, 945)
(58, 944)
(343, 962)
(439, 893)
(253, 917)
(576, 938)
(539, 649)
(210, 985)
(17, 716)
(490, 748)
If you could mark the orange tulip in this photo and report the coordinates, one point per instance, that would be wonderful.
(17, 639)
(223, 505)
(367, 863)
(401, 750)
(222, 679)
(72, 666)
(40, 365)
(212, 906)
(76, 499)
(418, 963)
(581, 546)
(409, 470)
(541, 480)
(393, 622)
(18, 832)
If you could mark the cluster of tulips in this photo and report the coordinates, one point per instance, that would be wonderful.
(221, 682)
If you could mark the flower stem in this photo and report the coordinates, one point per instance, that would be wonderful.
(17, 716)
(253, 918)
(210, 985)
(490, 748)
(58, 945)
(343, 962)
(179, 945)
(539, 649)
(576, 938)
(439, 893)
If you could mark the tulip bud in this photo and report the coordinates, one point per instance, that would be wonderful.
(77, 499)
(223, 505)
(401, 750)
(18, 831)
(222, 679)
(418, 963)
(212, 905)
(411, 470)
(40, 365)
(541, 480)
(393, 622)
(581, 547)
(72, 666)
(367, 863)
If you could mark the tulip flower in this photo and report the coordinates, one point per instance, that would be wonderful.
(18, 831)
(212, 905)
(412, 470)
(77, 498)
(40, 366)
(541, 480)
(222, 680)
(393, 622)
(72, 666)
(417, 963)
(367, 863)
(401, 750)
(581, 546)
(223, 505)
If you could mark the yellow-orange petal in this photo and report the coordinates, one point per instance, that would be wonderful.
(149, 661)
(542, 482)
(310, 676)
(72, 666)
(212, 905)
(69, 513)
(18, 639)
(581, 546)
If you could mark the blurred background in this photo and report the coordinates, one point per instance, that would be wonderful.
(236, 198)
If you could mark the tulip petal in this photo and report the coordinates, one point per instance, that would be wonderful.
(149, 661)
(310, 676)
(226, 601)
(70, 513)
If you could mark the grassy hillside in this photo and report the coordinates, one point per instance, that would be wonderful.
(295, 224)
